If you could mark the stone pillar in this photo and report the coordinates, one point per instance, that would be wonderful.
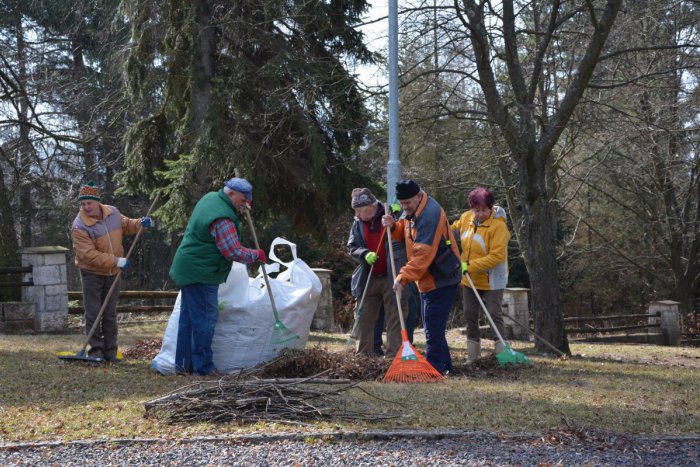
(669, 333)
(50, 290)
(515, 305)
(324, 320)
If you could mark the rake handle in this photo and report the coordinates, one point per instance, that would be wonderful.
(483, 307)
(267, 280)
(362, 301)
(393, 274)
(115, 282)
(542, 339)
(364, 292)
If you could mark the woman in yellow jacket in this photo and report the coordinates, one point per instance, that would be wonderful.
(484, 236)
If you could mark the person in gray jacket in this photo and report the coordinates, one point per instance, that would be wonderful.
(367, 244)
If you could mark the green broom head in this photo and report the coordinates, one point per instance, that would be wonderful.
(281, 334)
(510, 357)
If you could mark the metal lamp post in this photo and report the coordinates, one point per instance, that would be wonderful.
(393, 168)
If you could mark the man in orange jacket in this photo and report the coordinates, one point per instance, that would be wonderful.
(433, 263)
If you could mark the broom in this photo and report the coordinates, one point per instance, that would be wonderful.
(281, 334)
(508, 356)
(408, 366)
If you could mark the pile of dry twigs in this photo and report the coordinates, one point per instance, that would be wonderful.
(293, 363)
(233, 400)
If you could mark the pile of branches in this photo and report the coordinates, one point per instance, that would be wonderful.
(232, 400)
(293, 363)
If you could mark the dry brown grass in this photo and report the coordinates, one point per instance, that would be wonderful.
(625, 388)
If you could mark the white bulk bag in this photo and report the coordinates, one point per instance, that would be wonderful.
(246, 321)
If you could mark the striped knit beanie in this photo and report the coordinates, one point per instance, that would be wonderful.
(89, 191)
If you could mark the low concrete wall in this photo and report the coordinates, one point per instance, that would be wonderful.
(17, 317)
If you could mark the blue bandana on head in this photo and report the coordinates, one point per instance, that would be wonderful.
(242, 185)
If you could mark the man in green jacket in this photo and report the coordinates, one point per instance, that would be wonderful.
(202, 262)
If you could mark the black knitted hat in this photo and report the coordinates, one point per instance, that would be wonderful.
(406, 189)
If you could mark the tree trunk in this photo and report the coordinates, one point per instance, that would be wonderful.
(531, 151)
(24, 144)
(9, 248)
(84, 113)
(540, 256)
(201, 88)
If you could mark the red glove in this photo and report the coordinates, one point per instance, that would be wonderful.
(262, 257)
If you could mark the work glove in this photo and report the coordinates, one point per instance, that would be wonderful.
(465, 267)
(123, 263)
(371, 258)
(262, 257)
(398, 287)
(146, 222)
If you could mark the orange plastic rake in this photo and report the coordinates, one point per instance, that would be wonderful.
(409, 366)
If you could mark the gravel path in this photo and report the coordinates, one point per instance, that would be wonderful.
(369, 449)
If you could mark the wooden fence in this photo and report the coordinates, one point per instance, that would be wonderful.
(662, 326)
(160, 295)
(17, 270)
(595, 330)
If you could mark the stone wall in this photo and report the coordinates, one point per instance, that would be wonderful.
(17, 317)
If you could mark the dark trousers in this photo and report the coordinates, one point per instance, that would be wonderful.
(472, 309)
(436, 309)
(411, 295)
(378, 330)
(379, 294)
(95, 289)
(199, 310)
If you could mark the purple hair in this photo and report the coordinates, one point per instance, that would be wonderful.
(481, 197)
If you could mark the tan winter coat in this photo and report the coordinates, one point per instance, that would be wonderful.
(97, 243)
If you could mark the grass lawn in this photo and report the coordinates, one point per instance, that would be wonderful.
(622, 388)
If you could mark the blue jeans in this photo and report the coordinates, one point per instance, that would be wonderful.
(199, 310)
(436, 308)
